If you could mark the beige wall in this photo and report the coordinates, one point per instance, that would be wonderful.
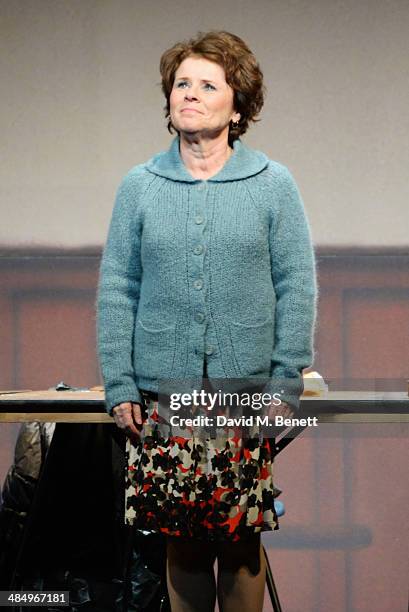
(81, 104)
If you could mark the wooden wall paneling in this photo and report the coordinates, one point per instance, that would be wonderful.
(55, 338)
(364, 271)
(47, 332)
(294, 473)
(294, 574)
(328, 336)
(376, 339)
(329, 494)
(6, 341)
(49, 306)
(378, 499)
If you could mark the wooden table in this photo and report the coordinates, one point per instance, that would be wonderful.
(89, 407)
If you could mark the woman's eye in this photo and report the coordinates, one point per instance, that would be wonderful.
(181, 84)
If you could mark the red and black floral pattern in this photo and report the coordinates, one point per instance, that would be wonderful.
(212, 489)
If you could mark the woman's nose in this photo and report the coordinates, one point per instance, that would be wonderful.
(190, 95)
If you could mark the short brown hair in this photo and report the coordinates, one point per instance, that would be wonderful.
(242, 70)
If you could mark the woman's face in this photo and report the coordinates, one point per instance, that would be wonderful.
(201, 100)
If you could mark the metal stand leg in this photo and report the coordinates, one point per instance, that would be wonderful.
(271, 586)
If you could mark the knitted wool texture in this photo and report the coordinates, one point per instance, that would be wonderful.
(222, 269)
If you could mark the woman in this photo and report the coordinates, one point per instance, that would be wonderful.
(208, 271)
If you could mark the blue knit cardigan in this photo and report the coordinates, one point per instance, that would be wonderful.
(221, 269)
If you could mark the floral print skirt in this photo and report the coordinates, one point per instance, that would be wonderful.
(213, 488)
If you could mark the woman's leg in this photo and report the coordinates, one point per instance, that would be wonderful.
(241, 575)
(190, 575)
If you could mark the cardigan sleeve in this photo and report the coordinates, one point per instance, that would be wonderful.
(118, 295)
(293, 269)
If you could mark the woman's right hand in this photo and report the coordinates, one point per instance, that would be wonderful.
(128, 416)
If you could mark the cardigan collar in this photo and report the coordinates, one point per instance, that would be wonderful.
(242, 163)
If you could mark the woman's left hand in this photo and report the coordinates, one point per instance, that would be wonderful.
(282, 409)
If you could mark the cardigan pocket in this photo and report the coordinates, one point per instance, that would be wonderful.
(252, 346)
(154, 350)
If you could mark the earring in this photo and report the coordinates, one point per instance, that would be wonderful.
(236, 123)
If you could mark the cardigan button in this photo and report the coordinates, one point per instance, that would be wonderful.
(199, 317)
(199, 219)
(198, 284)
(209, 350)
(198, 250)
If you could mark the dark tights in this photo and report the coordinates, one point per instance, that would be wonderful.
(241, 571)
(241, 575)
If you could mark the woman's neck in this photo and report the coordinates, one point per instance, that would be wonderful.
(202, 157)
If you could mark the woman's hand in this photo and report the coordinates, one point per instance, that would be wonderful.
(282, 409)
(128, 416)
